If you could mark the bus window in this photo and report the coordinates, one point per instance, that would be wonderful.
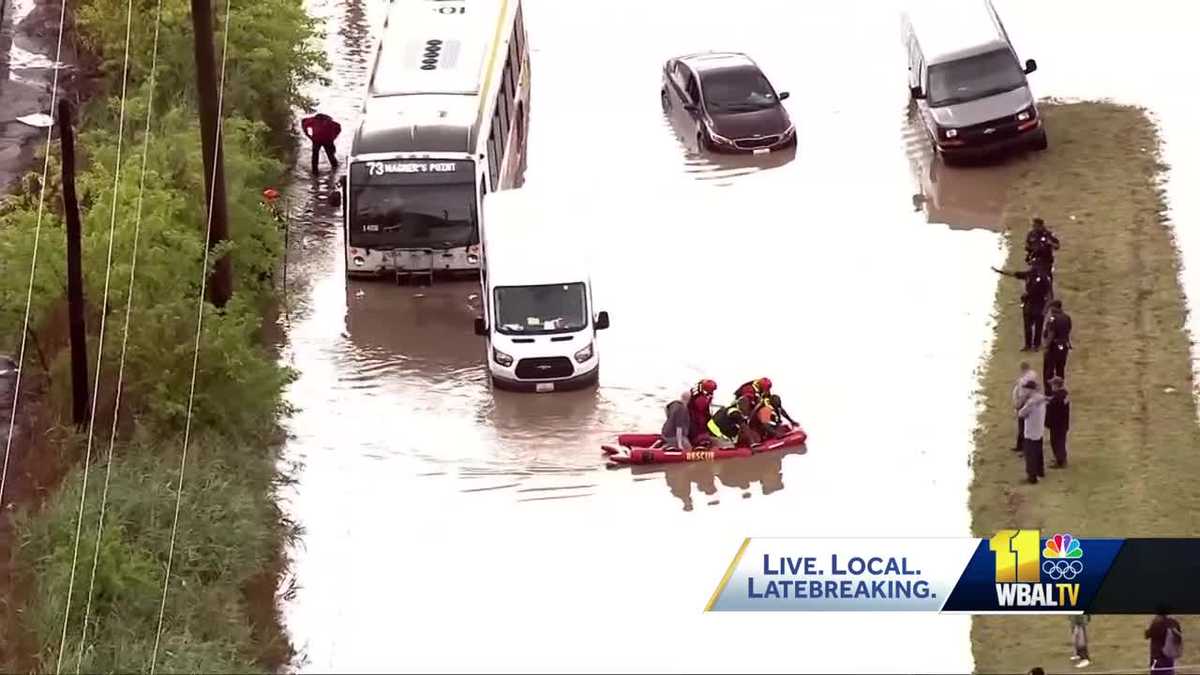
(493, 160)
(500, 124)
(519, 32)
(514, 67)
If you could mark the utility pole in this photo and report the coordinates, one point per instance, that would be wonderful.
(220, 285)
(79, 368)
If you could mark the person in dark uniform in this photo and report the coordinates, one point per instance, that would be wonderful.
(1038, 290)
(1058, 343)
(1058, 423)
(1040, 243)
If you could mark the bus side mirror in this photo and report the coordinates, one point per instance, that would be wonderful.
(480, 327)
(1030, 66)
(602, 321)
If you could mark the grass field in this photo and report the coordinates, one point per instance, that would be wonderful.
(1134, 442)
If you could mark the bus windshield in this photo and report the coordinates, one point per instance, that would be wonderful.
(413, 216)
(412, 203)
(533, 310)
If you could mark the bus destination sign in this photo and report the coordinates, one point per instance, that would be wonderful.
(408, 166)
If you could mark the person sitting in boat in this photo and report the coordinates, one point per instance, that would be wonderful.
(700, 410)
(730, 426)
(769, 417)
(678, 427)
(756, 389)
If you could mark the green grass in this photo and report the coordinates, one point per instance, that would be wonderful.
(1134, 436)
(225, 540)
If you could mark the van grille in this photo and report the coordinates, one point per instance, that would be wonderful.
(1002, 128)
(751, 143)
(544, 368)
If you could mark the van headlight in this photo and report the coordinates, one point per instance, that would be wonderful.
(501, 358)
(951, 133)
(1026, 114)
(585, 353)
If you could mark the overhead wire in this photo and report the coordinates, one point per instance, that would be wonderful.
(196, 348)
(37, 235)
(137, 226)
(112, 228)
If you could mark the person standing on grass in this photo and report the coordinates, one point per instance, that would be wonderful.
(1034, 414)
(1040, 243)
(1058, 342)
(1039, 288)
(1019, 396)
(1166, 643)
(1079, 638)
(1058, 421)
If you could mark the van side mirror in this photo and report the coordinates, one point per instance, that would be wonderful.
(783, 95)
(602, 321)
(916, 93)
(1030, 66)
(480, 327)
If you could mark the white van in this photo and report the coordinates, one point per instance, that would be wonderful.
(538, 314)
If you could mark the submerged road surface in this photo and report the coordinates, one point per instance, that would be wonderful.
(448, 527)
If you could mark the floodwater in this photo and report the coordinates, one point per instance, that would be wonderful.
(450, 527)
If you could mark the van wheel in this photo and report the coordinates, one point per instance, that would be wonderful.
(666, 102)
(1041, 142)
(701, 142)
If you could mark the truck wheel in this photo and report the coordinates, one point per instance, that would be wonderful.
(1041, 142)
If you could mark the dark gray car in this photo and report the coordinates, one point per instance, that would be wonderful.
(732, 105)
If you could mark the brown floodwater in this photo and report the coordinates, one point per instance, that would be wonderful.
(451, 527)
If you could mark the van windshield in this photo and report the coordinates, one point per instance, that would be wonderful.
(974, 77)
(534, 310)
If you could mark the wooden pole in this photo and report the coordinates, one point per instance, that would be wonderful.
(79, 367)
(220, 284)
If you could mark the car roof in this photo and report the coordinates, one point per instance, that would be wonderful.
(706, 61)
(533, 236)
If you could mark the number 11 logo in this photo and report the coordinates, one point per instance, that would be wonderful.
(1018, 556)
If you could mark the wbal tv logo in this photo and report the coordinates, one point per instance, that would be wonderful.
(1028, 575)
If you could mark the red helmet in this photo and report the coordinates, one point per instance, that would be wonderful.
(764, 383)
(708, 386)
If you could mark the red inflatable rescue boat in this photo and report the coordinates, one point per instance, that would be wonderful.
(637, 449)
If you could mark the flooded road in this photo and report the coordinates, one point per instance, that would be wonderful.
(448, 527)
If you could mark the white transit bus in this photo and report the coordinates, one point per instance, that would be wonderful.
(444, 122)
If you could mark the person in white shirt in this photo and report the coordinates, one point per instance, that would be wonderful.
(1033, 412)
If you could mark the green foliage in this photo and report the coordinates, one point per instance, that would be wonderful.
(230, 529)
(274, 50)
(220, 545)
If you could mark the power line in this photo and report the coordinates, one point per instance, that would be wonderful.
(37, 235)
(112, 228)
(199, 326)
(125, 334)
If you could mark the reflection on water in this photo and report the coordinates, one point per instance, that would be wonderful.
(721, 169)
(766, 469)
(961, 196)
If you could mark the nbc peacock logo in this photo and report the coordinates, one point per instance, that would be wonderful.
(1035, 575)
(1061, 558)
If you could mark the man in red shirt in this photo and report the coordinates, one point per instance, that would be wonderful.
(322, 130)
